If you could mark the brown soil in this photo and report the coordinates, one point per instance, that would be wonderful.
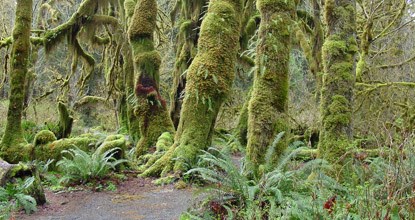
(135, 198)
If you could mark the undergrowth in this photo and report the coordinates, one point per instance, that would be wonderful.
(379, 187)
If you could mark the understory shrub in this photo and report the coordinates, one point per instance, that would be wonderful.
(378, 186)
(82, 166)
(13, 197)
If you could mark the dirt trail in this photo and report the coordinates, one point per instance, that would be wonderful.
(135, 198)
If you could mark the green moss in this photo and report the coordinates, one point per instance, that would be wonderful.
(338, 80)
(144, 19)
(191, 13)
(12, 146)
(150, 108)
(129, 6)
(65, 121)
(52, 150)
(164, 141)
(209, 79)
(269, 101)
(44, 137)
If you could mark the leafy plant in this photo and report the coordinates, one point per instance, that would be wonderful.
(13, 197)
(281, 193)
(83, 167)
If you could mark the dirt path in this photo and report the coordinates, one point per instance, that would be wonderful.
(134, 199)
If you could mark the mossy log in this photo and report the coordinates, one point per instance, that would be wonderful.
(47, 147)
(339, 51)
(111, 142)
(209, 81)
(13, 143)
(9, 172)
(151, 108)
(269, 100)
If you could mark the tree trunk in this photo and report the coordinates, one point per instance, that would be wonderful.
(190, 16)
(65, 121)
(269, 101)
(209, 81)
(151, 108)
(339, 51)
(13, 143)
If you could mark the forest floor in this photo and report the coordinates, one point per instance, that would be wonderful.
(135, 198)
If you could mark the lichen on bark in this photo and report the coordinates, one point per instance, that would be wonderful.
(151, 108)
(339, 51)
(269, 100)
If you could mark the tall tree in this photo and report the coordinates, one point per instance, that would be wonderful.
(269, 100)
(339, 51)
(13, 143)
(209, 81)
(151, 108)
(191, 12)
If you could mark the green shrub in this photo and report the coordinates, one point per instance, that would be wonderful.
(281, 193)
(13, 197)
(84, 167)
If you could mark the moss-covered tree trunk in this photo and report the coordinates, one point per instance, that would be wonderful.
(209, 81)
(339, 51)
(151, 108)
(65, 121)
(269, 101)
(13, 141)
(191, 12)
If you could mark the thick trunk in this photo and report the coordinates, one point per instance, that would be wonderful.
(190, 16)
(269, 100)
(12, 145)
(209, 81)
(339, 51)
(151, 108)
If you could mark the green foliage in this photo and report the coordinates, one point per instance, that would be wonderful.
(84, 167)
(13, 197)
(281, 193)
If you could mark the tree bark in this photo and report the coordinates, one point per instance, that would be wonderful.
(269, 100)
(209, 81)
(13, 143)
(339, 51)
(151, 108)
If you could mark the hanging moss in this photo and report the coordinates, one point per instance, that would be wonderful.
(209, 81)
(13, 144)
(269, 100)
(339, 52)
(151, 108)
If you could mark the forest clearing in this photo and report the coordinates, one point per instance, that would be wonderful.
(207, 109)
